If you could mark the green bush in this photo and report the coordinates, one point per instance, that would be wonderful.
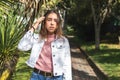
(11, 30)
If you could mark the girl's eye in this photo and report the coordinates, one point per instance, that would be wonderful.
(49, 19)
(56, 20)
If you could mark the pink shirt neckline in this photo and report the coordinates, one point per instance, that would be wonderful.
(44, 61)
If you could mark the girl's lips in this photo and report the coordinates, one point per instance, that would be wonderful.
(51, 27)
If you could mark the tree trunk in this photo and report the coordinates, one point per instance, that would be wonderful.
(99, 19)
(97, 37)
(97, 28)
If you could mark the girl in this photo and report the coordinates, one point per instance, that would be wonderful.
(50, 52)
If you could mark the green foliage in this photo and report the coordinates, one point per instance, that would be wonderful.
(11, 30)
(115, 10)
(7, 5)
(50, 4)
(80, 17)
(79, 12)
(22, 69)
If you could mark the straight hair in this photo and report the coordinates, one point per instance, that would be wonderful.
(58, 32)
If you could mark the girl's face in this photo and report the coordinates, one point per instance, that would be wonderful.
(51, 23)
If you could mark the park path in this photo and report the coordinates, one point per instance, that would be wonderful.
(81, 70)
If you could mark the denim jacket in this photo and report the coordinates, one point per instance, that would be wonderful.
(61, 56)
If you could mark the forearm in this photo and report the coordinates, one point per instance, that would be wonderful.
(25, 43)
(36, 24)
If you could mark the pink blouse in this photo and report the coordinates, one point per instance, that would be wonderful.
(44, 61)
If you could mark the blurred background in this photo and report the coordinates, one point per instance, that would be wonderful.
(92, 22)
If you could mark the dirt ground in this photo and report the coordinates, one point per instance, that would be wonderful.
(81, 70)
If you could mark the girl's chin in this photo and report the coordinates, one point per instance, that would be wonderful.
(51, 31)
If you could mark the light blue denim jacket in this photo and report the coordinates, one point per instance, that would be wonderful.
(61, 56)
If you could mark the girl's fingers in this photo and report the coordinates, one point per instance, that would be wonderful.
(40, 19)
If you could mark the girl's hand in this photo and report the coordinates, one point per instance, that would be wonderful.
(36, 24)
(39, 20)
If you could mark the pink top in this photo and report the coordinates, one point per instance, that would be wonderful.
(44, 61)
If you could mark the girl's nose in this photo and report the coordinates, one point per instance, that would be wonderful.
(52, 22)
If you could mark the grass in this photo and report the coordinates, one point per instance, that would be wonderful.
(107, 59)
(22, 71)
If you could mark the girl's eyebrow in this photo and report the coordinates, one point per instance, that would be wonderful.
(51, 18)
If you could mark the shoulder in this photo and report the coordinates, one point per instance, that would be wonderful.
(64, 39)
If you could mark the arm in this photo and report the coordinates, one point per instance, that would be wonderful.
(27, 41)
(67, 63)
(29, 38)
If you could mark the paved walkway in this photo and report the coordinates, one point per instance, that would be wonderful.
(80, 67)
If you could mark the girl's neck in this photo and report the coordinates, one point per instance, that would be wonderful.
(51, 36)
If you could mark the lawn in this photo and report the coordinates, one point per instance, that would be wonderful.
(22, 71)
(107, 59)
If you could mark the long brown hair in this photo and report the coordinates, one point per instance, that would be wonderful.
(58, 32)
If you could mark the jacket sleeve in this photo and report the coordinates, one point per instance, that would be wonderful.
(67, 62)
(27, 41)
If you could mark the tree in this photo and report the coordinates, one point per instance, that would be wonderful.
(6, 6)
(81, 16)
(100, 10)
